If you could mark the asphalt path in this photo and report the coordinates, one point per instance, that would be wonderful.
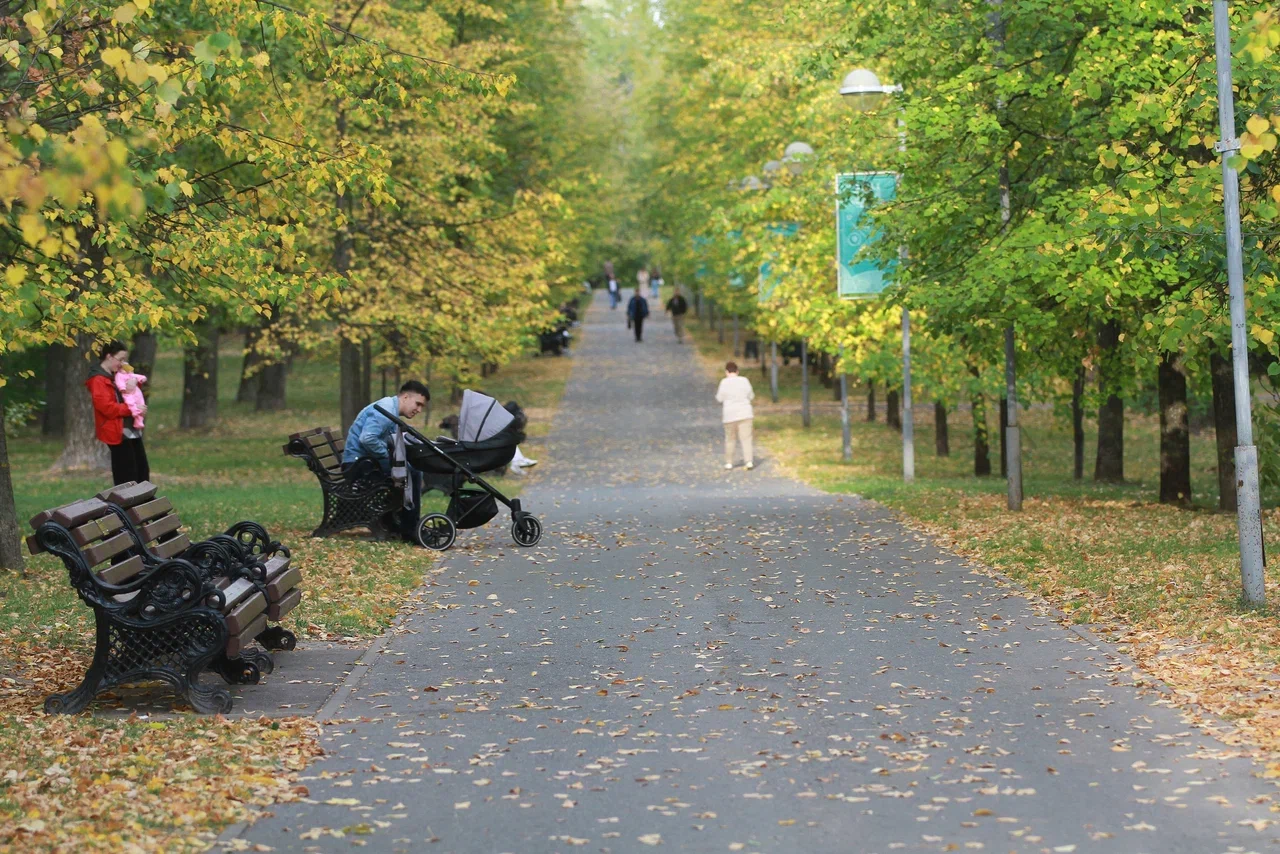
(709, 661)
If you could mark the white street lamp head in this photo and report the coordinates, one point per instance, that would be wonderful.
(864, 90)
(751, 182)
(773, 167)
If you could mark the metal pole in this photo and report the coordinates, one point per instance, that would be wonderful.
(804, 381)
(847, 446)
(908, 416)
(1248, 509)
(736, 349)
(773, 370)
(908, 422)
(1013, 436)
(1013, 441)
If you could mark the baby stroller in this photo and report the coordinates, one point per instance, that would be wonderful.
(487, 438)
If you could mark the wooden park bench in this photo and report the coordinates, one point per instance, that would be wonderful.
(255, 557)
(158, 619)
(359, 503)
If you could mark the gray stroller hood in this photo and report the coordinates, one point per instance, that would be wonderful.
(481, 417)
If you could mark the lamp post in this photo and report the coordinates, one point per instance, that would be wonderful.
(1248, 511)
(864, 92)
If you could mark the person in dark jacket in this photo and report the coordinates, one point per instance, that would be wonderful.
(637, 311)
(112, 419)
(678, 306)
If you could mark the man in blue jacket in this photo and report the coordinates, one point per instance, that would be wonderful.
(371, 442)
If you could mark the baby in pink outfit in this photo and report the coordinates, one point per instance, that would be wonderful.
(128, 382)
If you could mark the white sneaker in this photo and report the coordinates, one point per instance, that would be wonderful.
(521, 461)
(728, 466)
(750, 466)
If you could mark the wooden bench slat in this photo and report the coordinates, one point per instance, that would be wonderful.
(99, 529)
(305, 433)
(118, 573)
(235, 591)
(143, 513)
(275, 565)
(108, 548)
(316, 439)
(129, 495)
(239, 617)
(74, 514)
(171, 547)
(282, 584)
(237, 643)
(164, 525)
(277, 610)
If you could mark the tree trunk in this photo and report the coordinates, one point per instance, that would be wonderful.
(1108, 466)
(941, 433)
(10, 528)
(366, 370)
(871, 400)
(981, 450)
(142, 355)
(82, 449)
(349, 382)
(720, 329)
(250, 370)
(1175, 432)
(1224, 428)
(1004, 439)
(892, 413)
(272, 382)
(57, 364)
(1077, 423)
(200, 379)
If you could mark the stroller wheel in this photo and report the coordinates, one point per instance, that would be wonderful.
(436, 532)
(526, 531)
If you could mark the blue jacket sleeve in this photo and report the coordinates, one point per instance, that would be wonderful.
(374, 437)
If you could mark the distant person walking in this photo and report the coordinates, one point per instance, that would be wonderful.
(637, 311)
(655, 285)
(113, 420)
(735, 395)
(614, 296)
(678, 307)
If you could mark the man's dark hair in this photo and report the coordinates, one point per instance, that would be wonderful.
(110, 349)
(417, 388)
(731, 367)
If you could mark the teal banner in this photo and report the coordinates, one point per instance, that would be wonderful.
(860, 278)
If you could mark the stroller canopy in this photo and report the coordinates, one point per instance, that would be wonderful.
(481, 417)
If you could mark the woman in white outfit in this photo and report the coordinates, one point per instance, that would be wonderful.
(735, 395)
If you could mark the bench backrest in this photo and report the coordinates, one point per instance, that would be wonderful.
(105, 546)
(321, 446)
(156, 520)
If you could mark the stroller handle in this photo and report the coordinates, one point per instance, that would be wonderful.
(430, 444)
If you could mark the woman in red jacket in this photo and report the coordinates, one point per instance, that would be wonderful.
(112, 420)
